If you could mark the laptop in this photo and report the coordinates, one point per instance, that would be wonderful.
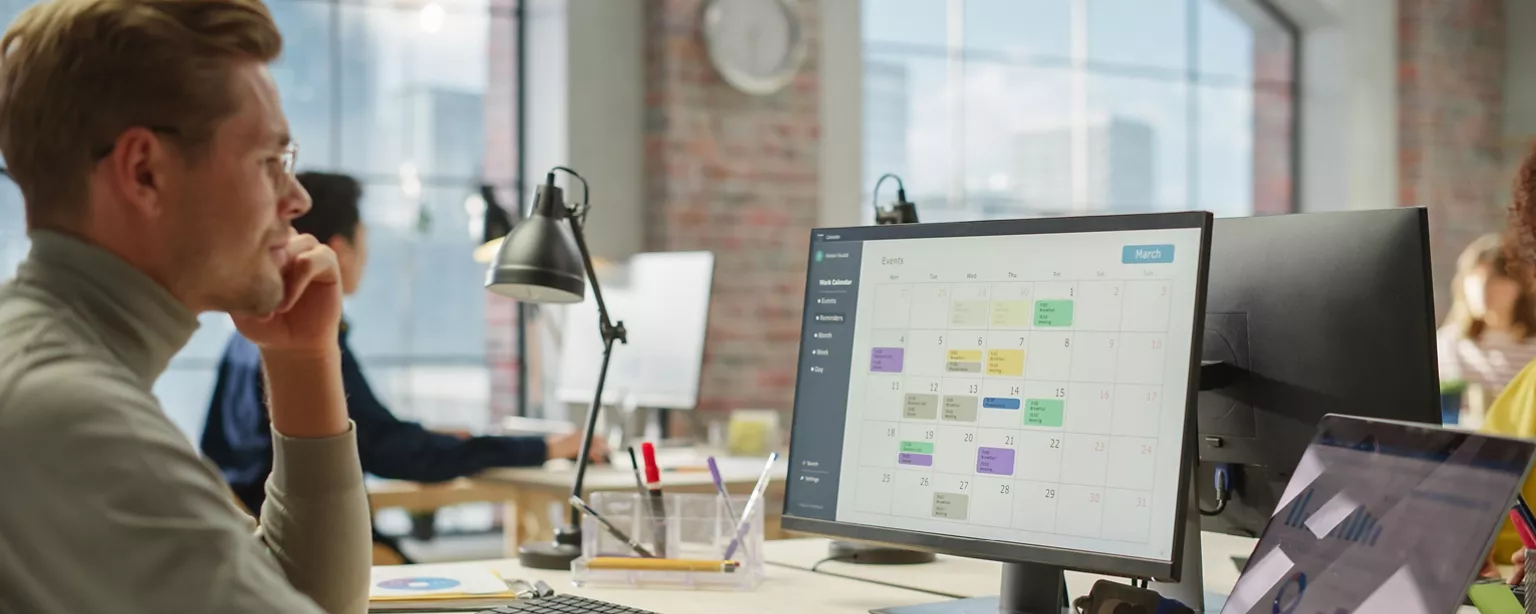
(1382, 517)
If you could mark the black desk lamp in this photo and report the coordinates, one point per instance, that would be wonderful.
(901, 211)
(542, 261)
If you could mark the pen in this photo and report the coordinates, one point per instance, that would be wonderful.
(639, 480)
(634, 545)
(757, 497)
(658, 505)
(644, 497)
(621, 562)
(725, 497)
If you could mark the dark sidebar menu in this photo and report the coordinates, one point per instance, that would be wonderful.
(821, 396)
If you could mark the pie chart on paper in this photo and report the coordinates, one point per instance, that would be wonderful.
(419, 584)
(407, 582)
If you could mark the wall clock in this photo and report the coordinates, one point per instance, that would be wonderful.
(757, 46)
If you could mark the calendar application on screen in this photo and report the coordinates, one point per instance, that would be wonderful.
(1015, 388)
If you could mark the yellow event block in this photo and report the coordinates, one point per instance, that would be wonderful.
(965, 356)
(1014, 314)
(1005, 362)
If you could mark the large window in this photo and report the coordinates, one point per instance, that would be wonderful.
(416, 98)
(1007, 108)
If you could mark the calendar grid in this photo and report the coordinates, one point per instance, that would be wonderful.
(941, 380)
(1020, 389)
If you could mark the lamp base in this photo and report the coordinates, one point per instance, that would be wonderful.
(558, 554)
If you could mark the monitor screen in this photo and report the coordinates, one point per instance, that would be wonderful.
(1384, 517)
(663, 300)
(981, 387)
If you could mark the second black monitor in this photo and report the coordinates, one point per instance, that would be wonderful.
(1310, 315)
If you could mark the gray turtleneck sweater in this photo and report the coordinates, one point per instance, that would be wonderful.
(104, 504)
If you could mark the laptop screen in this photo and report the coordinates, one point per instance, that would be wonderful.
(1382, 517)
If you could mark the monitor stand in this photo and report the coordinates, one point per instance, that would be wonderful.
(1028, 588)
(864, 554)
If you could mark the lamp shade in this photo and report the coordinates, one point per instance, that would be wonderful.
(538, 261)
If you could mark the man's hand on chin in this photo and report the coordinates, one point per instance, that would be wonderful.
(299, 349)
(307, 319)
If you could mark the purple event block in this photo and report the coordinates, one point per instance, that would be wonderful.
(996, 461)
(920, 460)
(886, 360)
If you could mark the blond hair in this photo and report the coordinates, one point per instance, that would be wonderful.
(75, 74)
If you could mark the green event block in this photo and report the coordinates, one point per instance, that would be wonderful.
(1053, 313)
(1043, 412)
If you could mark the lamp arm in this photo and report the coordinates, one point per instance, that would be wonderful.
(611, 332)
(609, 327)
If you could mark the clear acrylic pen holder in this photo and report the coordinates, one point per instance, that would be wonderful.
(697, 527)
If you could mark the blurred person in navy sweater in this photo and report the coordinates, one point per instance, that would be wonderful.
(238, 436)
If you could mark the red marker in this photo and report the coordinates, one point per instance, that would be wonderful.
(1526, 538)
(658, 506)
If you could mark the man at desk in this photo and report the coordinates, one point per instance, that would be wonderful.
(237, 437)
(149, 144)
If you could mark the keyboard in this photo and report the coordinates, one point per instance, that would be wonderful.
(564, 604)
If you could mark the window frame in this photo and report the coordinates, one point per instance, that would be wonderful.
(1190, 78)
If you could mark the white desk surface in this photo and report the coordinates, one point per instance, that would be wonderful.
(790, 588)
(783, 591)
(964, 577)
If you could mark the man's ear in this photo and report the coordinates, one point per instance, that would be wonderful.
(136, 169)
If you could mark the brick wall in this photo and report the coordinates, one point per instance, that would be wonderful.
(500, 168)
(1450, 110)
(737, 175)
(1273, 121)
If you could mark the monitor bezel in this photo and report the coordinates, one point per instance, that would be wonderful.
(1078, 560)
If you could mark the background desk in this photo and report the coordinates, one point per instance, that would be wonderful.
(418, 497)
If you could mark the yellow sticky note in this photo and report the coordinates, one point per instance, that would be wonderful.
(965, 355)
(1005, 362)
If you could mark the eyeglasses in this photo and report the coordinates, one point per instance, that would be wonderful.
(283, 170)
(287, 162)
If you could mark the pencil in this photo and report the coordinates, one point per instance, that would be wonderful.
(634, 564)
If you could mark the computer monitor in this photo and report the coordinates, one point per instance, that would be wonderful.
(663, 300)
(1319, 313)
(1017, 390)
